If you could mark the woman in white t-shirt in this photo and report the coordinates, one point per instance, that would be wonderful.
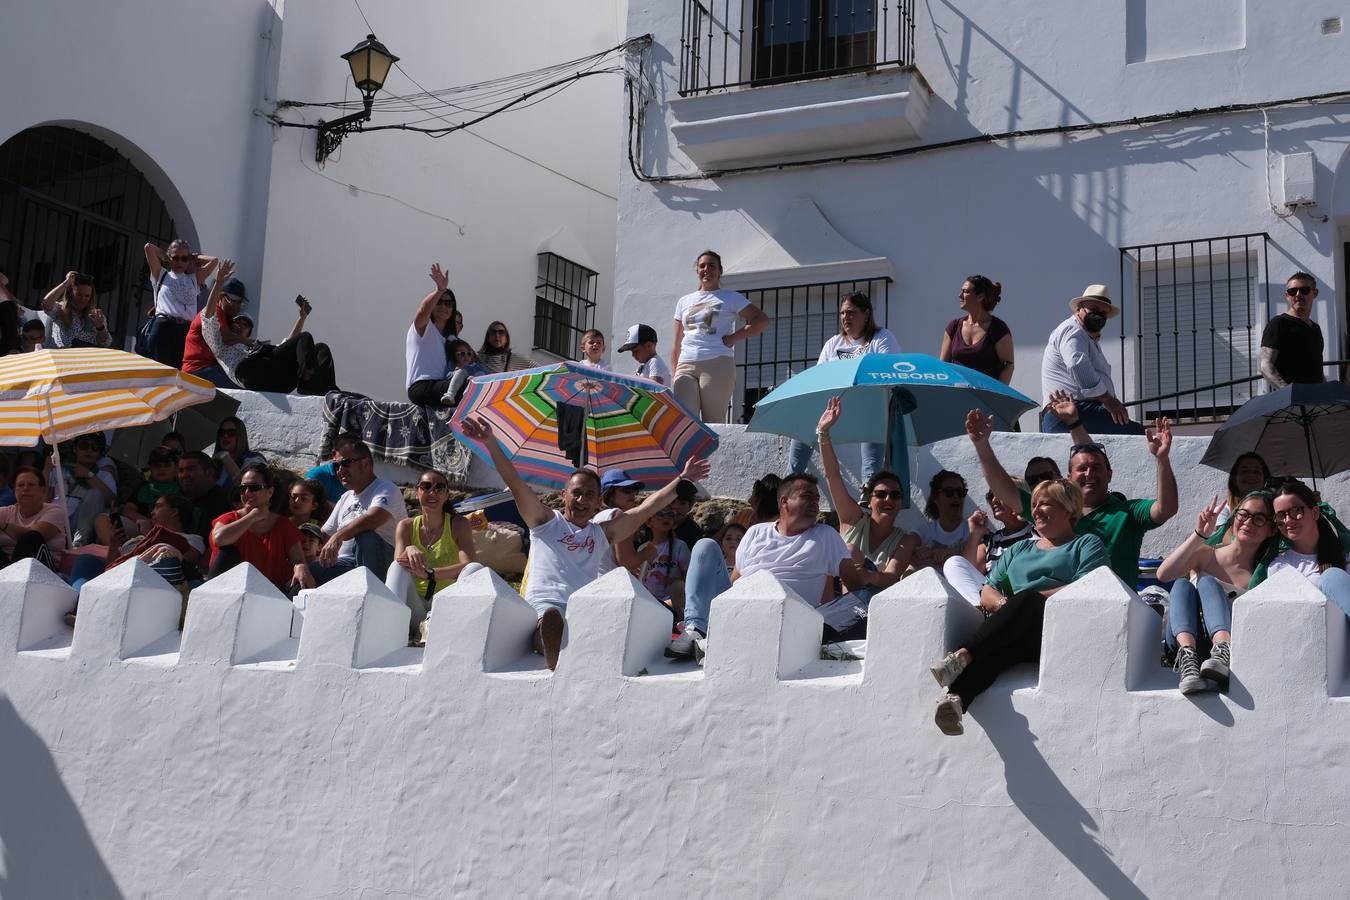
(424, 346)
(1312, 546)
(858, 335)
(704, 361)
(177, 276)
(944, 530)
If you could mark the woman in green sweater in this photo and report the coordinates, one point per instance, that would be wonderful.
(1014, 598)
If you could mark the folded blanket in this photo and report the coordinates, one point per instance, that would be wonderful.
(397, 432)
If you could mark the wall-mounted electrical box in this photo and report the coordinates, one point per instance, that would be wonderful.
(1300, 180)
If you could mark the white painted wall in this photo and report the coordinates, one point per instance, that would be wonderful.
(235, 760)
(364, 258)
(1045, 216)
(173, 88)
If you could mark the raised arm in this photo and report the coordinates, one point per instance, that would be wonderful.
(978, 428)
(55, 294)
(205, 265)
(155, 258)
(1181, 561)
(1159, 439)
(1063, 406)
(299, 326)
(532, 509)
(847, 508)
(213, 299)
(625, 524)
(422, 317)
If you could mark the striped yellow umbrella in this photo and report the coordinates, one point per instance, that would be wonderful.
(59, 394)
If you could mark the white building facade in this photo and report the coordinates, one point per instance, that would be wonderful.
(137, 124)
(1194, 221)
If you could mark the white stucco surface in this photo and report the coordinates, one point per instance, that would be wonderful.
(237, 761)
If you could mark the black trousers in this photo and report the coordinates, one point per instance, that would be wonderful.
(428, 393)
(1008, 637)
(296, 364)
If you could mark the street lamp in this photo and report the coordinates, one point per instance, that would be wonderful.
(370, 62)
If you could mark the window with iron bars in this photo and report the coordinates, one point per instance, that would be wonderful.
(564, 305)
(729, 43)
(804, 318)
(1198, 308)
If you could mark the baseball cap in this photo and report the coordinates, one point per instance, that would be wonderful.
(234, 289)
(614, 478)
(638, 334)
(309, 529)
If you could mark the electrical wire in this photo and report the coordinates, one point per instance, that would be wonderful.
(636, 122)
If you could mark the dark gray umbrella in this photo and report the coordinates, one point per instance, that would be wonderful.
(1303, 429)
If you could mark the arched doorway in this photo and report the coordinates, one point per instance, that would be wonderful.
(71, 201)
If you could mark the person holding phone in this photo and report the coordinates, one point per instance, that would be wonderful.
(76, 321)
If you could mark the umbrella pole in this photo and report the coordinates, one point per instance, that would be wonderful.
(59, 476)
(1306, 421)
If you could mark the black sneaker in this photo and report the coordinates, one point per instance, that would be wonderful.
(1216, 667)
(1188, 667)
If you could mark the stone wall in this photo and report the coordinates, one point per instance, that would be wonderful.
(264, 754)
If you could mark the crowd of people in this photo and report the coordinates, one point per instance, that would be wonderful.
(193, 515)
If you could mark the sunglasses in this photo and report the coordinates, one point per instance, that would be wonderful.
(1085, 448)
(227, 432)
(445, 301)
(498, 331)
(341, 464)
(1257, 519)
(1292, 514)
(181, 258)
(433, 487)
(883, 494)
(951, 492)
(252, 488)
(1300, 291)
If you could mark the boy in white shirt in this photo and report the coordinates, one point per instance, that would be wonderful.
(641, 342)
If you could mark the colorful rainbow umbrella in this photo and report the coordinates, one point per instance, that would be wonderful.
(630, 423)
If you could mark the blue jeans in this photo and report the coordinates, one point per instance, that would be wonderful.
(164, 340)
(86, 568)
(873, 458)
(217, 375)
(1095, 419)
(371, 552)
(707, 577)
(1185, 603)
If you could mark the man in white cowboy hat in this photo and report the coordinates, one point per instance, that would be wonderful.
(1074, 363)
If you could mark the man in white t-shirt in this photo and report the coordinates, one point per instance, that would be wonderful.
(801, 553)
(424, 347)
(566, 547)
(361, 527)
(641, 342)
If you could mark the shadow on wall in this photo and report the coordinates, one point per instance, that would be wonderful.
(1034, 789)
(45, 847)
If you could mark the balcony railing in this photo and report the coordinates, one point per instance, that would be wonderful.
(733, 43)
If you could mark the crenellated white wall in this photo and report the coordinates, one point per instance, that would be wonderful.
(237, 760)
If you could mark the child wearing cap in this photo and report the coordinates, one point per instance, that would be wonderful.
(641, 342)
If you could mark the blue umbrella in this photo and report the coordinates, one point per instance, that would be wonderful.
(877, 389)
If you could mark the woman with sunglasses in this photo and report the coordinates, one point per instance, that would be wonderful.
(1207, 579)
(431, 550)
(1309, 544)
(232, 453)
(1014, 598)
(177, 276)
(256, 535)
(944, 532)
(496, 353)
(881, 549)
(424, 346)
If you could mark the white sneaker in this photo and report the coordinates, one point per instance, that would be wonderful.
(683, 646)
(949, 669)
(948, 715)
